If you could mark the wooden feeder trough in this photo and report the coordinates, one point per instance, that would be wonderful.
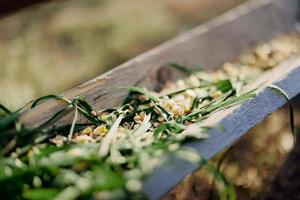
(211, 44)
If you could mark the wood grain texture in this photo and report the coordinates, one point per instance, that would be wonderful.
(236, 121)
(211, 44)
(221, 39)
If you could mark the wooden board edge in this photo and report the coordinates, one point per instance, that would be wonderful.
(102, 84)
(236, 122)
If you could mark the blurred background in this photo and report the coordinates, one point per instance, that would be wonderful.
(53, 47)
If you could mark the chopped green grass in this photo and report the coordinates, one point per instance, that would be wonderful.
(46, 161)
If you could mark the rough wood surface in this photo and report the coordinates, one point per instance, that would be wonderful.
(211, 44)
(221, 39)
(236, 121)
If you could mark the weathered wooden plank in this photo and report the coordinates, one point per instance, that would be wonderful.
(236, 121)
(219, 40)
(211, 44)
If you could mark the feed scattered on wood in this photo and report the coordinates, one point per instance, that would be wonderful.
(109, 156)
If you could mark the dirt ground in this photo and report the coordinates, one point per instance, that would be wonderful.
(263, 164)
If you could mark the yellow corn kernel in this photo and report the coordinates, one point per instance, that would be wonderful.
(230, 69)
(83, 139)
(175, 109)
(30, 153)
(103, 117)
(187, 109)
(94, 113)
(190, 93)
(216, 94)
(142, 115)
(180, 111)
(161, 119)
(100, 130)
(87, 131)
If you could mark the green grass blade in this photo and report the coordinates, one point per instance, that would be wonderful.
(40, 193)
(73, 122)
(228, 193)
(5, 109)
(184, 69)
(144, 92)
(224, 85)
(279, 91)
(8, 121)
(47, 97)
(232, 101)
